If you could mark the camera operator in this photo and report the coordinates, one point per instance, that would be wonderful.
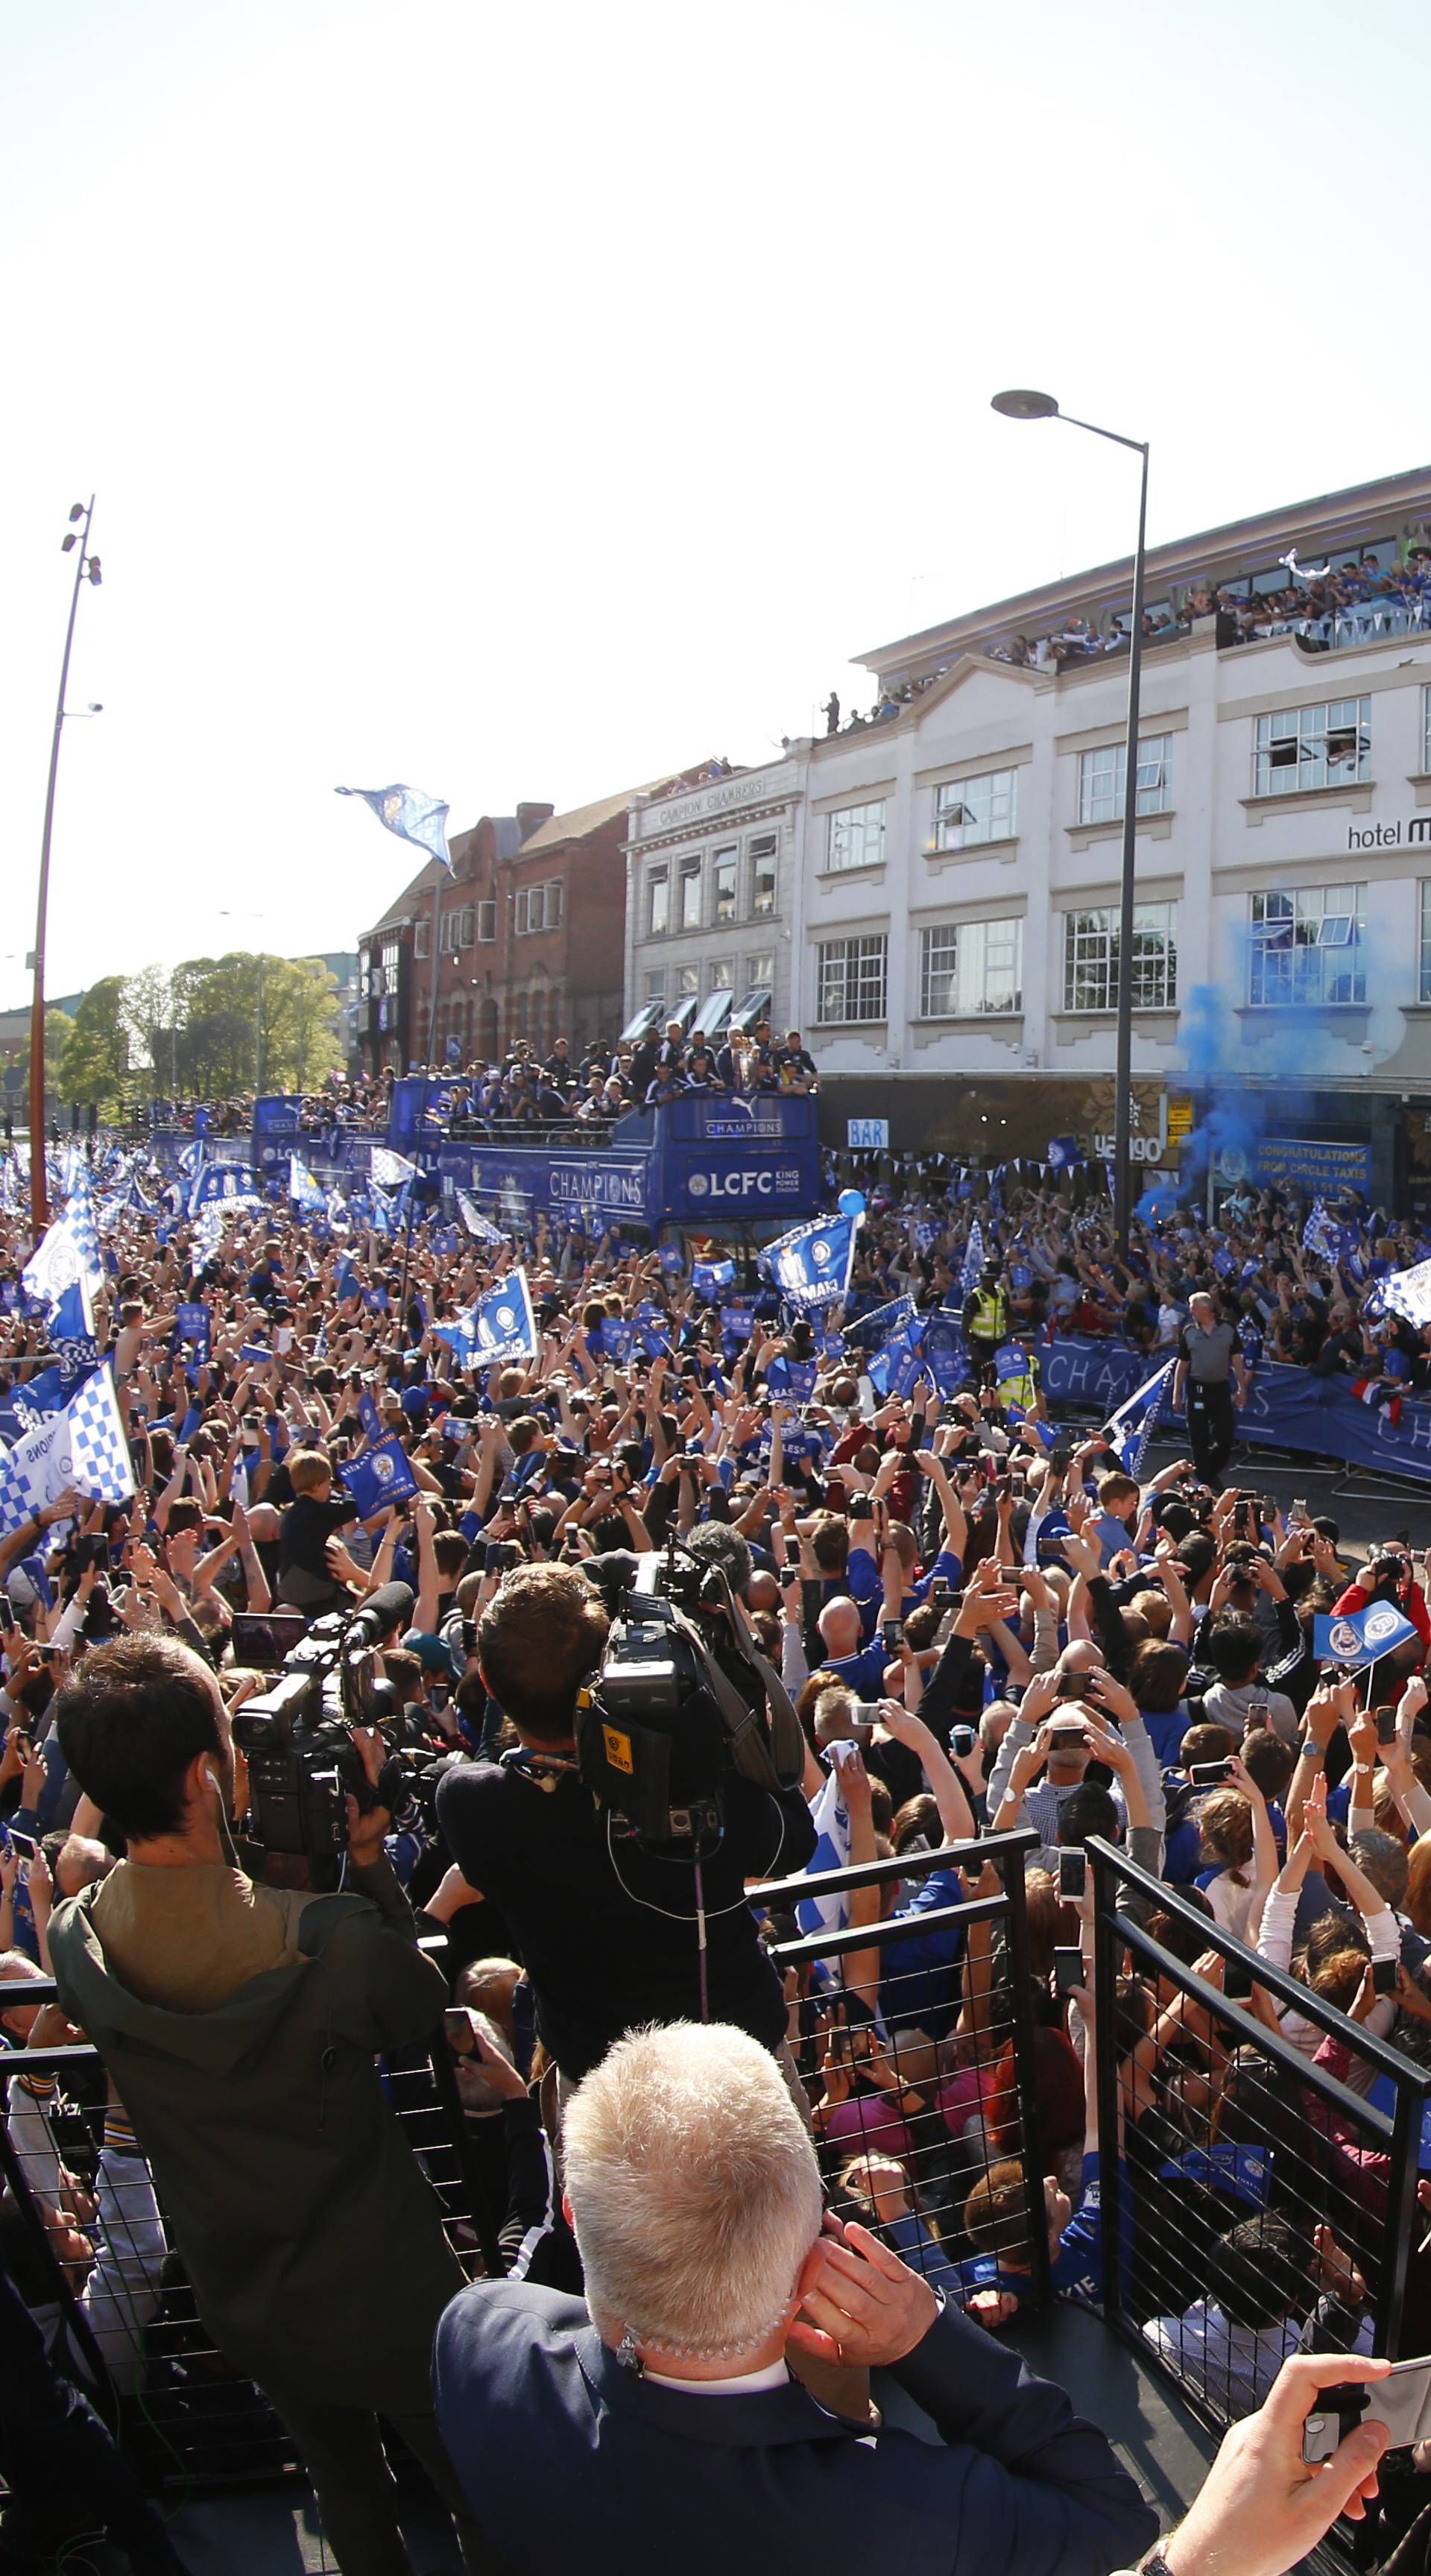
(241, 2023)
(608, 1929)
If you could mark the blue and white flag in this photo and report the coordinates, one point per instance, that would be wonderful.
(872, 1330)
(1130, 1429)
(1319, 1235)
(369, 1416)
(812, 1265)
(708, 1278)
(413, 816)
(72, 1337)
(1408, 1293)
(225, 1185)
(305, 1192)
(894, 1367)
(99, 1463)
(1355, 1638)
(381, 1476)
(498, 1326)
(832, 1851)
(60, 1259)
(972, 1268)
(390, 1170)
(480, 1227)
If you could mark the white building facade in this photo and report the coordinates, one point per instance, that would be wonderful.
(955, 913)
(709, 897)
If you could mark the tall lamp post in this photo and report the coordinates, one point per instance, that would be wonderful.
(1021, 404)
(87, 568)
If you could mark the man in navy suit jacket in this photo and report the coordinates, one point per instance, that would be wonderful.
(657, 2426)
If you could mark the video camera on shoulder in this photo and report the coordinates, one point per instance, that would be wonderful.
(296, 1737)
(682, 1699)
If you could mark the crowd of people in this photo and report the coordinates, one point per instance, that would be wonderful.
(951, 1620)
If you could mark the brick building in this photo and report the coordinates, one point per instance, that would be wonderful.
(531, 931)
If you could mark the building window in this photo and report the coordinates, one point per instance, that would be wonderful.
(1326, 746)
(422, 939)
(1425, 730)
(855, 837)
(1102, 773)
(658, 903)
(691, 896)
(469, 926)
(851, 979)
(1423, 982)
(487, 921)
(1307, 946)
(538, 907)
(970, 810)
(968, 968)
(1090, 959)
(760, 969)
(762, 875)
(724, 867)
(688, 983)
(655, 983)
(720, 975)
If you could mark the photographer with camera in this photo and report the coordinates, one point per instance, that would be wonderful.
(241, 2024)
(616, 1926)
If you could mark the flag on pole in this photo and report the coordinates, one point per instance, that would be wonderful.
(480, 1227)
(812, 1265)
(972, 1270)
(305, 1192)
(99, 1448)
(413, 816)
(390, 1170)
(1408, 1293)
(498, 1326)
(1130, 1429)
(830, 1817)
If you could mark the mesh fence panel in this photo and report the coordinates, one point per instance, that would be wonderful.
(1263, 2203)
(913, 2040)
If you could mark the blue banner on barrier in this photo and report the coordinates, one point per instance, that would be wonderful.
(1289, 1407)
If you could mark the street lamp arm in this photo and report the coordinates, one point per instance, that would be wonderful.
(1138, 445)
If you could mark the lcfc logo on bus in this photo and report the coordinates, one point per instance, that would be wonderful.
(730, 1185)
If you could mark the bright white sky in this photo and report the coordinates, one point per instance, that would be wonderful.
(523, 402)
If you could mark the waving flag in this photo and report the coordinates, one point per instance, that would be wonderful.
(72, 1337)
(1355, 1638)
(497, 1327)
(1319, 1235)
(832, 1851)
(69, 1251)
(382, 1475)
(812, 1265)
(306, 1193)
(480, 1227)
(972, 1270)
(1131, 1428)
(413, 816)
(390, 1170)
(1064, 1153)
(895, 1365)
(1408, 1293)
(708, 1278)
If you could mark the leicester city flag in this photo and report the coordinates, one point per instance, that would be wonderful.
(72, 1337)
(708, 1278)
(812, 1266)
(381, 1476)
(1355, 1638)
(306, 1193)
(413, 816)
(498, 1326)
(1408, 1293)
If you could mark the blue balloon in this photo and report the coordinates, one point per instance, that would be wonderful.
(852, 1203)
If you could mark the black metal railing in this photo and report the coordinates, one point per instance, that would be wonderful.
(1261, 2199)
(912, 2039)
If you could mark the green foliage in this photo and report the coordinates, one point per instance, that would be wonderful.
(96, 1052)
(209, 1025)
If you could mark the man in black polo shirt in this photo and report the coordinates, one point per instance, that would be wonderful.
(606, 1928)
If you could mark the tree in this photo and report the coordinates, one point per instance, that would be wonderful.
(304, 1032)
(95, 1061)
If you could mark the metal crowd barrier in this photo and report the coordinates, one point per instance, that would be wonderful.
(915, 2097)
(1254, 2180)
(131, 2335)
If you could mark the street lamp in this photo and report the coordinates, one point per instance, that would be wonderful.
(75, 541)
(1023, 404)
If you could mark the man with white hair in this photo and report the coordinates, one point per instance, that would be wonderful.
(1209, 1362)
(607, 2431)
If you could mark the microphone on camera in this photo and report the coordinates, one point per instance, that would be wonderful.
(389, 1608)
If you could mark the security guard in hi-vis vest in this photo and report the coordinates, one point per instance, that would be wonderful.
(986, 1318)
(1016, 1375)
